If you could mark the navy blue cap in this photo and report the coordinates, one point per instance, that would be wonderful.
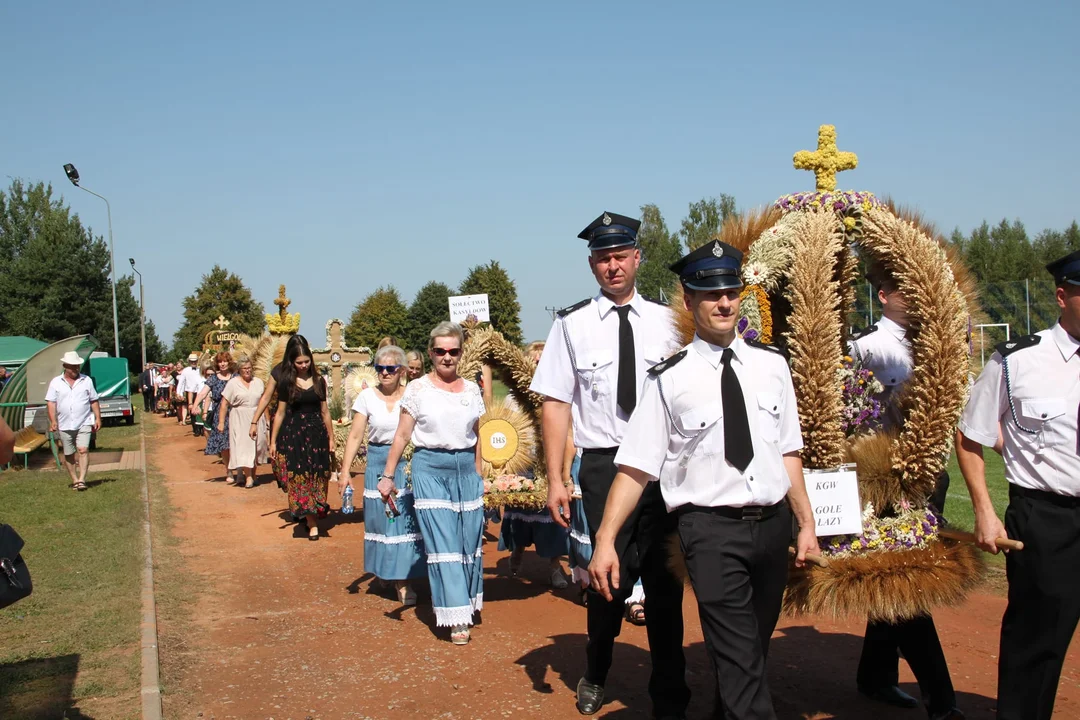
(713, 266)
(1066, 269)
(611, 230)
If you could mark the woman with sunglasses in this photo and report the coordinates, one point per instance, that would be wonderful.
(441, 412)
(393, 548)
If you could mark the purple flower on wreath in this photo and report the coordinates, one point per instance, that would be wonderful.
(742, 325)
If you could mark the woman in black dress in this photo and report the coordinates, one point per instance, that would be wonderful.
(303, 434)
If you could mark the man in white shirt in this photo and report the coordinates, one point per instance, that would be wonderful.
(1029, 392)
(74, 412)
(717, 432)
(187, 385)
(885, 350)
(592, 370)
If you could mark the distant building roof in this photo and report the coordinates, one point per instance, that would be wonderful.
(17, 349)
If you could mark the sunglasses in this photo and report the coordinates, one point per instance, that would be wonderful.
(389, 369)
(452, 352)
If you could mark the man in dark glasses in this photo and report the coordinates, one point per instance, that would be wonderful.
(591, 372)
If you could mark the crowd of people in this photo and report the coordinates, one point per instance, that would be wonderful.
(643, 443)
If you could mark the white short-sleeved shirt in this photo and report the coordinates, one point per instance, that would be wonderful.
(188, 380)
(885, 350)
(73, 402)
(676, 434)
(1045, 380)
(580, 364)
(381, 423)
(444, 420)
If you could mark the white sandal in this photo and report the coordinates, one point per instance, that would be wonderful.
(459, 635)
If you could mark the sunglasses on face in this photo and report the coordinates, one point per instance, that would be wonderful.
(388, 369)
(452, 352)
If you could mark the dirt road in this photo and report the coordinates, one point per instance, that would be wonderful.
(286, 628)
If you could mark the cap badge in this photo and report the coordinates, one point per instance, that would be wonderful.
(1010, 346)
(606, 219)
(717, 250)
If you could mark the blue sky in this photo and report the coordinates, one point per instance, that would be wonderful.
(347, 146)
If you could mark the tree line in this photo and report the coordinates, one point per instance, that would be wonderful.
(55, 277)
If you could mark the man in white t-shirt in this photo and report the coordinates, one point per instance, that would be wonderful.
(187, 385)
(74, 412)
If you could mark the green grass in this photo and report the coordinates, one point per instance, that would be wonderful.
(75, 640)
(121, 437)
(498, 390)
(958, 503)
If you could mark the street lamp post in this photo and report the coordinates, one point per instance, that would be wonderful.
(142, 314)
(73, 176)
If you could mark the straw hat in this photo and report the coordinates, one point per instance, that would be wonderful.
(71, 358)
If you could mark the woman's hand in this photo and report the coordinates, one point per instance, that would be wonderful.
(253, 431)
(344, 481)
(332, 445)
(386, 487)
(273, 449)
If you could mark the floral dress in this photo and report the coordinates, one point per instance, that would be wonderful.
(305, 447)
(216, 442)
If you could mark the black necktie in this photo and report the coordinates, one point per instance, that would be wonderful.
(627, 391)
(738, 448)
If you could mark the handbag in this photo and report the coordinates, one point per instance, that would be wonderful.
(14, 575)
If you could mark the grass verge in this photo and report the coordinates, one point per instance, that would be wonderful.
(73, 646)
(958, 503)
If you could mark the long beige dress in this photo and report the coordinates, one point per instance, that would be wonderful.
(243, 401)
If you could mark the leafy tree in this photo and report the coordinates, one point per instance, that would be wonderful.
(378, 315)
(430, 307)
(659, 249)
(55, 281)
(220, 293)
(705, 218)
(502, 298)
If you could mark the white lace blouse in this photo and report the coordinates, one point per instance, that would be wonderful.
(382, 423)
(444, 420)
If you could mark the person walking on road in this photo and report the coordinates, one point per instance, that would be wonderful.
(74, 413)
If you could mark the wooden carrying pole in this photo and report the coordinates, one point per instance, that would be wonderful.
(1002, 543)
(813, 559)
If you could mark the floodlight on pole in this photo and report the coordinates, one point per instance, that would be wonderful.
(142, 314)
(73, 176)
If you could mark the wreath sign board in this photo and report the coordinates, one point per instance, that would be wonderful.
(834, 496)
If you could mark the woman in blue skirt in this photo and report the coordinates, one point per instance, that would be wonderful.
(393, 548)
(441, 412)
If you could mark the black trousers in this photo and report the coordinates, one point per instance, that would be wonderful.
(738, 569)
(148, 400)
(641, 545)
(1044, 601)
(916, 639)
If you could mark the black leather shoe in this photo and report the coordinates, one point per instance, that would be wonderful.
(950, 714)
(590, 697)
(890, 695)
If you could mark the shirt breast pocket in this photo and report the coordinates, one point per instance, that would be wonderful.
(1046, 415)
(701, 426)
(594, 372)
(769, 416)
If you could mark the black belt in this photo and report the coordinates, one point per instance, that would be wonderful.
(600, 451)
(1066, 501)
(748, 512)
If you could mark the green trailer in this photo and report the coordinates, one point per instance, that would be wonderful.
(110, 376)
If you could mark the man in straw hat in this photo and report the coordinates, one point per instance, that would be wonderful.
(1025, 403)
(187, 385)
(717, 432)
(74, 413)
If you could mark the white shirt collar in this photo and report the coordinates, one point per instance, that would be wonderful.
(712, 353)
(1066, 343)
(604, 305)
(893, 328)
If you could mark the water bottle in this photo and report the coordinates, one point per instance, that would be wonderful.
(346, 501)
